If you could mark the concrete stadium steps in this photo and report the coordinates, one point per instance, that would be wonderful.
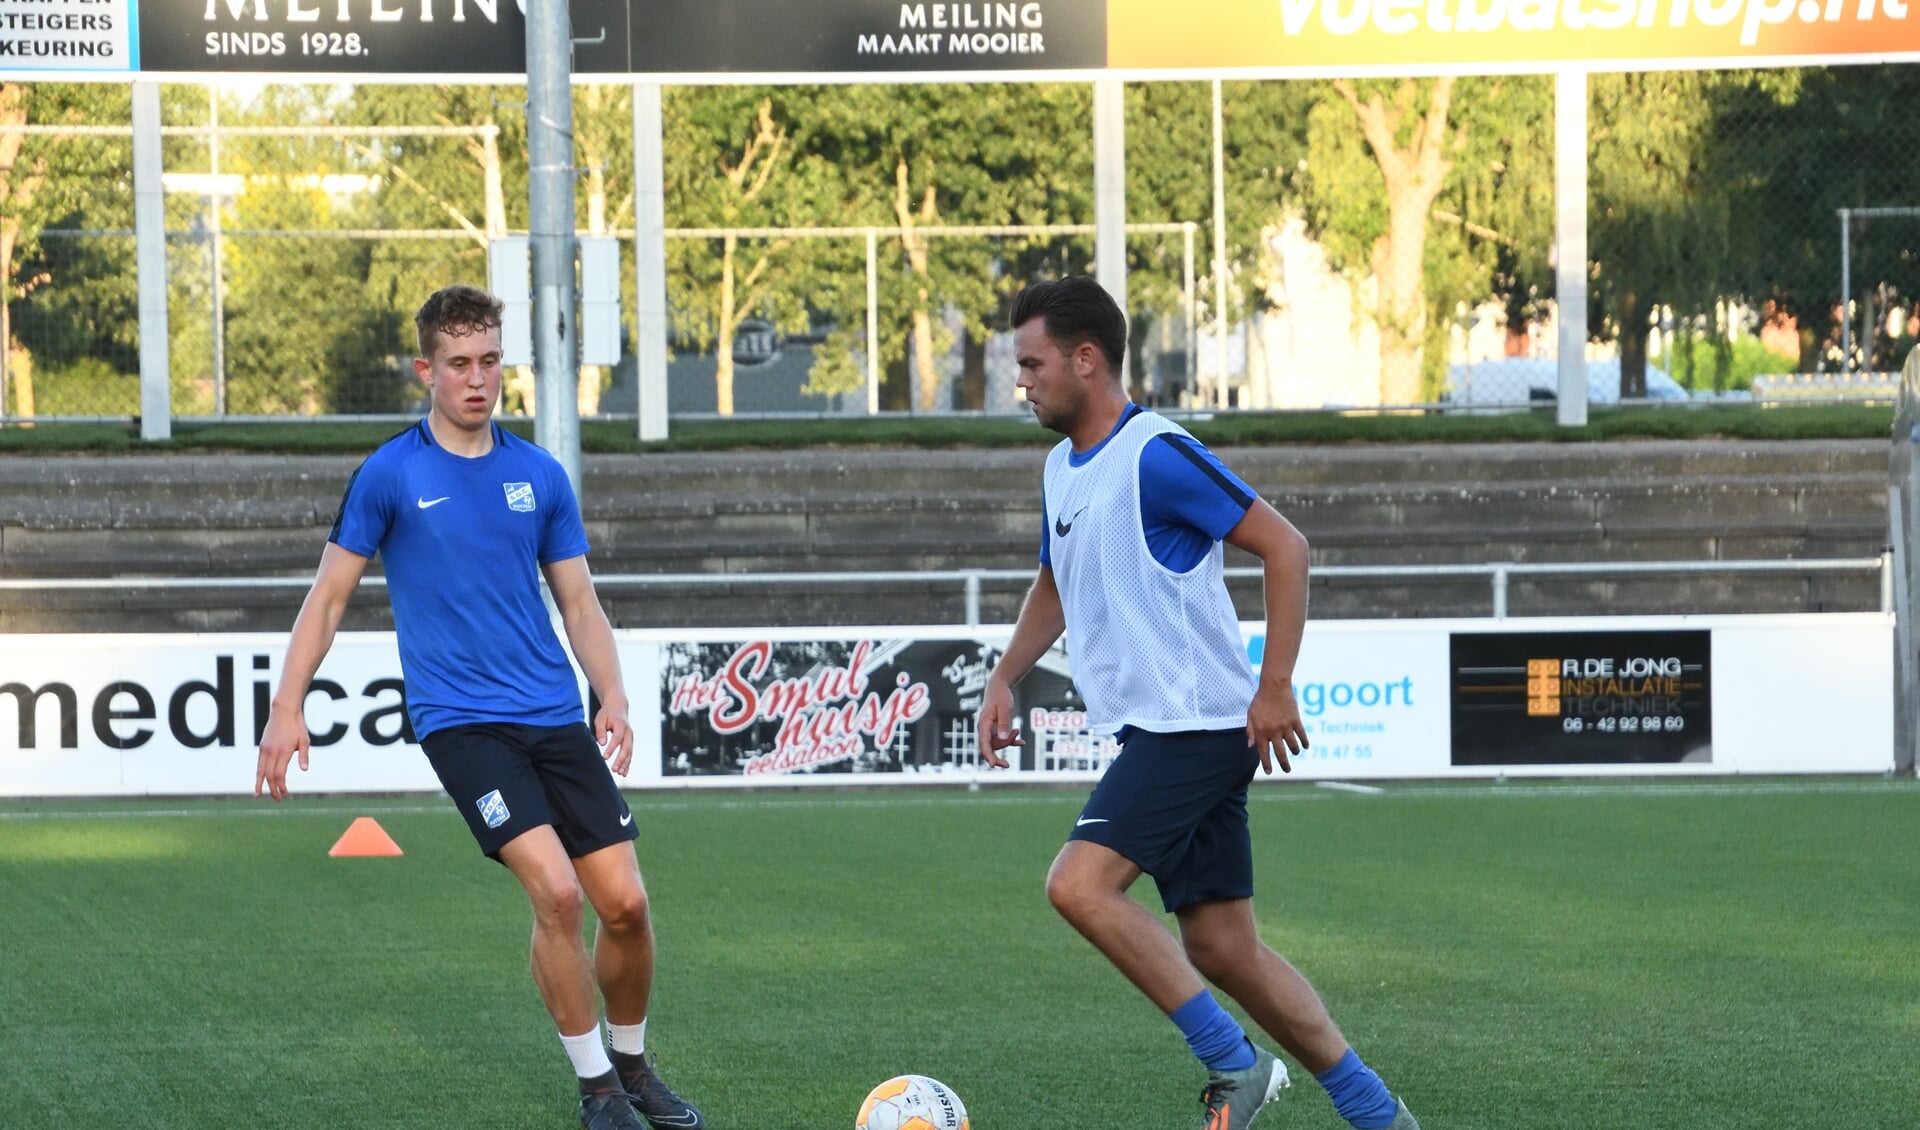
(832, 511)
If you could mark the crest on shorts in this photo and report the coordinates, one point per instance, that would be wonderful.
(519, 496)
(493, 809)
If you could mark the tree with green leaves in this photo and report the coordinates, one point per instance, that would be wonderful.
(603, 150)
(1407, 127)
(1313, 150)
(55, 180)
(921, 156)
(1170, 180)
(738, 157)
(473, 182)
(1661, 225)
(1793, 147)
(301, 335)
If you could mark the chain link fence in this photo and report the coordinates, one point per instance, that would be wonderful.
(845, 321)
(1386, 243)
(70, 318)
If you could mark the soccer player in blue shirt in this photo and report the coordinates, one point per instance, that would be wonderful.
(467, 518)
(1134, 512)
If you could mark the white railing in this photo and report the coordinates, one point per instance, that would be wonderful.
(1499, 576)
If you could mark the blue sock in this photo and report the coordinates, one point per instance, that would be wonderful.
(1214, 1035)
(1358, 1094)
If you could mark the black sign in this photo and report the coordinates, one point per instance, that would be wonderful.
(1581, 698)
(849, 36)
(397, 38)
(383, 37)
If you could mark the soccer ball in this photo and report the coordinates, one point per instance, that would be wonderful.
(911, 1102)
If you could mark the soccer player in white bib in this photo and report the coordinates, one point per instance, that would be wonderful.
(467, 517)
(1135, 511)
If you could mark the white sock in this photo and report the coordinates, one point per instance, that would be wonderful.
(588, 1053)
(628, 1039)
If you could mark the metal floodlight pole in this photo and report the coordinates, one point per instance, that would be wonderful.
(873, 323)
(1219, 250)
(551, 233)
(1110, 193)
(1570, 243)
(213, 233)
(1191, 301)
(150, 259)
(650, 263)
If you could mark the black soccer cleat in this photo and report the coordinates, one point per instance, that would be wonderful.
(656, 1101)
(608, 1110)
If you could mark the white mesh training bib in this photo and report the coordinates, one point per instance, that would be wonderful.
(1149, 647)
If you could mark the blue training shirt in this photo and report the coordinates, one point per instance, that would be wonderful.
(1188, 498)
(462, 541)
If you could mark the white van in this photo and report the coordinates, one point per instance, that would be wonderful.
(1513, 382)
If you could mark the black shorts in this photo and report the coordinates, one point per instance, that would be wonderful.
(1175, 805)
(508, 779)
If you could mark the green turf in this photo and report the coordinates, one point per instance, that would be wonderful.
(1517, 956)
(1811, 421)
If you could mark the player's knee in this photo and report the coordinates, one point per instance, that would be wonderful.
(1216, 958)
(625, 913)
(559, 904)
(1070, 897)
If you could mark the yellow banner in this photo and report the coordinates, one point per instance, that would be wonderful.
(1381, 35)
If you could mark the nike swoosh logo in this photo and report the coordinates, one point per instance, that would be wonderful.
(626, 820)
(430, 503)
(1063, 527)
(1083, 821)
(683, 1119)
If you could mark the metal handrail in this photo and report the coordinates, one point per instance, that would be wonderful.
(1499, 574)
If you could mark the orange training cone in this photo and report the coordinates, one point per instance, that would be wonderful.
(364, 836)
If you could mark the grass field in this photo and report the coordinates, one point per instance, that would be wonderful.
(1621, 956)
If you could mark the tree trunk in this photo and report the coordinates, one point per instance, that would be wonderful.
(973, 373)
(916, 249)
(523, 385)
(1633, 345)
(8, 378)
(1139, 325)
(20, 376)
(759, 160)
(1414, 175)
(723, 336)
(923, 367)
(1399, 266)
(17, 187)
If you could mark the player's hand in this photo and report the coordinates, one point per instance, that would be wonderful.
(615, 735)
(995, 724)
(1274, 727)
(285, 736)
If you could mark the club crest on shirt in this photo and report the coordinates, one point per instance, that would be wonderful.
(519, 496)
(493, 809)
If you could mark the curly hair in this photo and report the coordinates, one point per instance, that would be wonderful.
(455, 311)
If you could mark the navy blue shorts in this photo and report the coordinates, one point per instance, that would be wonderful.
(1176, 806)
(508, 779)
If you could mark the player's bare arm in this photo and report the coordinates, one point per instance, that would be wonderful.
(1041, 621)
(1273, 718)
(590, 635)
(285, 735)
